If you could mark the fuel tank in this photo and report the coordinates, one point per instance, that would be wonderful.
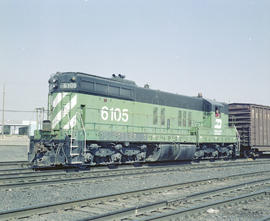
(168, 152)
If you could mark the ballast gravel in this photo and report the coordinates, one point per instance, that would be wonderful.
(40, 195)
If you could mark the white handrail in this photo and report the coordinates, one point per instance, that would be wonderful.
(83, 131)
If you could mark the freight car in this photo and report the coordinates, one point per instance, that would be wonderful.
(253, 124)
(95, 120)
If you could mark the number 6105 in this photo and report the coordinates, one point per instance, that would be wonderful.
(115, 114)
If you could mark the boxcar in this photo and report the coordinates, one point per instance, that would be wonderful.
(253, 124)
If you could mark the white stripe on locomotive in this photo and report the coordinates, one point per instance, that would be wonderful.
(62, 113)
(71, 123)
(58, 99)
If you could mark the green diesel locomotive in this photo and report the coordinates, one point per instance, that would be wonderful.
(95, 120)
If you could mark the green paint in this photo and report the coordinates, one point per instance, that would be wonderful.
(103, 118)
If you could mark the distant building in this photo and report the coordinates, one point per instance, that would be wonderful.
(19, 128)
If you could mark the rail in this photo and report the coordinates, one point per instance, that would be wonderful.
(172, 203)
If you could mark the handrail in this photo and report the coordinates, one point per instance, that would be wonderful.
(84, 150)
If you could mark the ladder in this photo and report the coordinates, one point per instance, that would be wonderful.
(73, 146)
(73, 154)
(73, 142)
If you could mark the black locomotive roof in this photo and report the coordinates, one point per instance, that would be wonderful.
(119, 87)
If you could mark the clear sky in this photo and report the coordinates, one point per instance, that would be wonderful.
(218, 47)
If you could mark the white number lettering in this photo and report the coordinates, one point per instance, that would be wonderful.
(104, 113)
(125, 115)
(111, 114)
(115, 114)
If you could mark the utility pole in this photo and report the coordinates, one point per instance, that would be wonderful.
(3, 112)
(39, 117)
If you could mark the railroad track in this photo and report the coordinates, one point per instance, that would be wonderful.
(25, 178)
(182, 214)
(8, 163)
(145, 204)
(14, 164)
(17, 171)
(24, 166)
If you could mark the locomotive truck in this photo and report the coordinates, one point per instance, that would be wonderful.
(94, 120)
